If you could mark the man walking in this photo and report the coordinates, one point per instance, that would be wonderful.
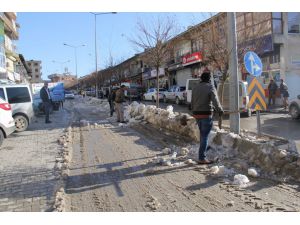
(111, 99)
(284, 92)
(119, 99)
(204, 100)
(272, 91)
(46, 98)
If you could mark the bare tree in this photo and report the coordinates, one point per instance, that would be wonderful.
(154, 40)
(213, 36)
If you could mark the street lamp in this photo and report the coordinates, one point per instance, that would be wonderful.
(61, 63)
(97, 14)
(75, 51)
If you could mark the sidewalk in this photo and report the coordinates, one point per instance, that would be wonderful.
(277, 109)
(28, 181)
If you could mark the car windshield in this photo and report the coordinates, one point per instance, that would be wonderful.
(182, 88)
(68, 92)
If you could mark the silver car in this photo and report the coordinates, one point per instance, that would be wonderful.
(20, 98)
(294, 108)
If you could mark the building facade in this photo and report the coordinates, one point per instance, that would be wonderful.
(274, 36)
(68, 79)
(36, 70)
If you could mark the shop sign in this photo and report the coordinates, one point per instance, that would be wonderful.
(191, 58)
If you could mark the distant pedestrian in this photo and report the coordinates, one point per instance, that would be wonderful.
(204, 100)
(119, 100)
(272, 91)
(284, 92)
(111, 100)
(47, 102)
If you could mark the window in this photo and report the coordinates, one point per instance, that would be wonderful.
(36, 70)
(29, 64)
(277, 22)
(293, 22)
(18, 95)
(37, 76)
(36, 64)
(2, 93)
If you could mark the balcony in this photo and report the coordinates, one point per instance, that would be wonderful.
(10, 27)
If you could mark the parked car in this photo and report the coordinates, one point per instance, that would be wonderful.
(190, 84)
(175, 93)
(69, 95)
(20, 99)
(7, 123)
(294, 108)
(134, 92)
(243, 97)
(151, 94)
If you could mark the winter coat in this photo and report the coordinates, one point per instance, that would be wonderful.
(120, 97)
(44, 95)
(284, 90)
(272, 88)
(205, 99)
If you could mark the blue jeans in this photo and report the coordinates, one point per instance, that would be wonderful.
(205, 126)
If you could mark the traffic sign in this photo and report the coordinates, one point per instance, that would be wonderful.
(253, 63)
(257, 99)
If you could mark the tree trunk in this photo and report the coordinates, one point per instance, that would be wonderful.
(157, 91)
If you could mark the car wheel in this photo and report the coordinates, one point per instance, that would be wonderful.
(153, 99)
(165, 99)
(21, 123)
(1, 137)
(177, 101)
(294, 112)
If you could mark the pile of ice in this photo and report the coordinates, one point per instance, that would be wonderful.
(163, 118)
(221, 171)
(240, 179)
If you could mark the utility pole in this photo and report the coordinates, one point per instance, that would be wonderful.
(233, 75)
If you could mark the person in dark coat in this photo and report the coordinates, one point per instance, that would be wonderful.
(204, 101)
(46, 98)
(111, 99)
(272, 91)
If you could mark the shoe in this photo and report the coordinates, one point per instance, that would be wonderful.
(48, 121)
(205, 162)
(123, 122)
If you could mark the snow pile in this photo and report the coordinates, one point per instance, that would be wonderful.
(221, 171)
(240, 180)
(252, 172)
(166, 151)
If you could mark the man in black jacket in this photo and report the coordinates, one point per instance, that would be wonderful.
(204, 101)
(46, 98)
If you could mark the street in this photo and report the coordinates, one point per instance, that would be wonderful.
(113, 168)
(111, 171)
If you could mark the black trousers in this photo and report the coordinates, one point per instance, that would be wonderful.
(47, 106)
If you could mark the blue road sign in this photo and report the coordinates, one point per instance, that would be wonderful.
(253, 64)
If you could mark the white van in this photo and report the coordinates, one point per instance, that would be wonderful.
(243, 97)
(20, 98)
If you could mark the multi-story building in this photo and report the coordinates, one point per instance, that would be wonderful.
(68, 79)
(8, 50)
(275, 37)
(36, 70)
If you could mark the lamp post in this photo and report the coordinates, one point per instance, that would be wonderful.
(75, 51)
(96, 72)
(61, 63)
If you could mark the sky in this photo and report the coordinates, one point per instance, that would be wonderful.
(41, 37)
